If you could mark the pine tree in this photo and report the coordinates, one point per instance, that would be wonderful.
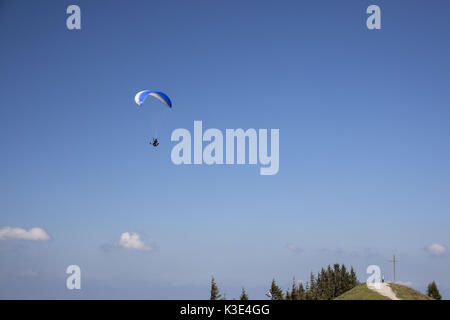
(312, 287)
(337, 279)
(322, 284)
(433, 291)
(345, 280)
(215, 295)
(294, 292)
(301, 292)
(288, 295)
(277, 293)
(243, 295)
(331, 288)
(353, 280)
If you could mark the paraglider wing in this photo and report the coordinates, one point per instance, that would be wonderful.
(142, 95)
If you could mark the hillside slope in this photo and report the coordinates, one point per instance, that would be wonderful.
(407, 293)
(362, 292)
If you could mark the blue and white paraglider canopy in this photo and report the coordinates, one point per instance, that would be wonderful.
(142, 95)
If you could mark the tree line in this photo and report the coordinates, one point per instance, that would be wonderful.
(327, 284)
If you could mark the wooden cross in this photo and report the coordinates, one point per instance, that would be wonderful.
(394, 261)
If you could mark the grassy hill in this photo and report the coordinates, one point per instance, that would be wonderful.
(362, 292)
(407, 293)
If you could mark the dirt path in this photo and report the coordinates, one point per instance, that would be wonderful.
(384, 289)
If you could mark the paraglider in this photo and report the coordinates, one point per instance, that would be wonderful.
(154, 142)
(141, 96)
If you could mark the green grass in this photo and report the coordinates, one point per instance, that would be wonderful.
(361, 292)
(406, 293)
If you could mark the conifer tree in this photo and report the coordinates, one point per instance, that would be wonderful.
(294, 292)
(288, 295)
(243, 295)
(215, 295)
(337, 279)
(312, 287)
(353, 280)
(433, 291)
(277, 293)
(346, 285)
(301, 292)
(331, 282)
(308, 292)
(322, 284)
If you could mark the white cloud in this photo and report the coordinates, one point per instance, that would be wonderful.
(294, 248)
(436, 249)
(34, 234)
(29, 273)
(132, 240)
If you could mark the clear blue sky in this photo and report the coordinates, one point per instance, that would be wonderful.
(364, 144)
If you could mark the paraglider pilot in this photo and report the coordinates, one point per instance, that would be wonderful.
(154, 142)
